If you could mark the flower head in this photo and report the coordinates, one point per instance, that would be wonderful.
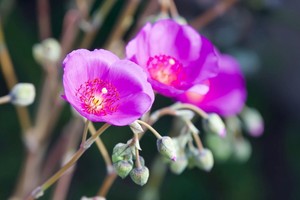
(175, 56)
(103, 88)
(227, 92)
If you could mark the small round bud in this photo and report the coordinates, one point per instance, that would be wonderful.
(242, 150)
(120, 152)
(214, 124)
(204, 159)
(166, 147)
(22, 94)
(179, 165)
(253, 121)
(140, 175)
(123, 167)
(47, 51)
(220, 147)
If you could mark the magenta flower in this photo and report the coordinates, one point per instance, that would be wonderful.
(227, 92)
(175, 56)
(103, 88)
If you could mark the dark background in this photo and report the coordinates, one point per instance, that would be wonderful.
(263, 34)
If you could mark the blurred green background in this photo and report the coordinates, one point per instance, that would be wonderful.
(263, 34)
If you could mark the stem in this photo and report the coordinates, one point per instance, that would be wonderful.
(43, 19)
(173, 9)
(107, 183)
(157, 135)
(197, 110)
(74, 159)
(58, 174)
(11, 79)
(195, 134)
(211, 14)
(102, 149)
(137, 153)
(5, 99)
(85, 131)
(124, 20)
(97, 22)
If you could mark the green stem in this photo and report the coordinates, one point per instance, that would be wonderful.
(197, 110)
(157, 135)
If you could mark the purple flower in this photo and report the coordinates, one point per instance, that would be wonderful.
(103, 88)
(227, 92)
(175, 56)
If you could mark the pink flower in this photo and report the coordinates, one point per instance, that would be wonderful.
(175, 56)
(103, 88)
(227, 92)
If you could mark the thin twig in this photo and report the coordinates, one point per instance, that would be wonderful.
(211, 14)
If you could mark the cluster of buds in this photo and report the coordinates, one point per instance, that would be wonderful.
(124, 159)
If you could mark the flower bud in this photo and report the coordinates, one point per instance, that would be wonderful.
(214, 124)
(140, 175)
(47, 51)
(242, 150)
(204, 159)
(220, 147)
(123, 167)
(253, 121)
(178, 166)
(22, 94)
(166, 147)
(120, 152)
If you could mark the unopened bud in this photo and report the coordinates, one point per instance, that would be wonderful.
(179, 165)
(120, 152)
(47, 51)
(214, 124)
(22, 94)
(204, 159)
(140, 175)
(220, 147)
(253, 121)
(166, 147)
(123, 167)
(242, 150)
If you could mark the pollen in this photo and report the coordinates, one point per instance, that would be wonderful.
(98, 97)
(166, 69)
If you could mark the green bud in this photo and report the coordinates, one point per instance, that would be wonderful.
(166, 147)
(121, 152)
(123, 167)
(220, 147)
(204, 159)
(242, 150)
(253, 121)
(22, 94)
(140, 175)
(178, 166)
(214, 124)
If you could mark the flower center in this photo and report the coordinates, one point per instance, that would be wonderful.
(165, 69)
(98, 97)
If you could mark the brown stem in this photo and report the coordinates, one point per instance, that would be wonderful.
(124, 21)
(43, 10)
(211, 14)
(11, 79)
(107, 183)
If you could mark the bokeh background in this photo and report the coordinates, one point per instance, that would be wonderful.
(263, 34)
